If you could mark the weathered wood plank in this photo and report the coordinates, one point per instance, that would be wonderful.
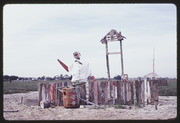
(40, 93)
(132, 93)
(56, 94)
(125, 92)
(60, 95)
(83, 94)
(51, 92)
(91, 91)
(118, 92)
(122, 93)
(101, 92)
(43, 91)
(95, 92)
(128, 93)
(138, 94)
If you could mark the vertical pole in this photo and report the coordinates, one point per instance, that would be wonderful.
(107, 61)
(113, 94)
(122, 67)
(153, 61)
(96, 92)
(134, 93)
(40, 93)
(108, 71)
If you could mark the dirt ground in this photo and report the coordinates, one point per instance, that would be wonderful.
(23, 106)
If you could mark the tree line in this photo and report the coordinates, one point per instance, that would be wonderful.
(11, 78)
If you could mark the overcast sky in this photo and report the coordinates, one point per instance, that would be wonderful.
(36, 35)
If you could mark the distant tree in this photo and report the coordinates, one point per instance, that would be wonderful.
(13, 78)
(20, 78)
(43, 77)
(49, 78)
(56, 77)
(39, 78)
(6, 78)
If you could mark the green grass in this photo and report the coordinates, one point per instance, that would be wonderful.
(170, 90)
(21, 86)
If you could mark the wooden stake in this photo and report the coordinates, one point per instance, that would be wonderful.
(21, 100)
(106, 93)
(122, 66)
(96, 93)
(107, 61)
(113, 94)
(108, 71)
(40, 93)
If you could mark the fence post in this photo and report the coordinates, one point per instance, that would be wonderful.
(137, 92)
(155, 93)
(125, 92)
(118, 92)
(132, 92)
(96, 93)
(40, 93)
(143, 92)
(51, 92)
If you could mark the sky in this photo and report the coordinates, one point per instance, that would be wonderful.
(36, 35)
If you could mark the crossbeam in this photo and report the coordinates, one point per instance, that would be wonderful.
(87, 101)
(114, 53)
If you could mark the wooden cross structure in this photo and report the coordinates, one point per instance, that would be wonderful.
(113, 35)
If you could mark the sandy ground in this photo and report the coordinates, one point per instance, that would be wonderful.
(27, 109)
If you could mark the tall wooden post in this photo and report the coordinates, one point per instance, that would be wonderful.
(108, 71)
(122, 66)
(107, 61)
(96, 92)
(113, 94)
(113, 35)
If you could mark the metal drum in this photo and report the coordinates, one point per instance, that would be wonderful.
(71, 97)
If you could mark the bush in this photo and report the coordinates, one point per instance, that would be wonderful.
(170, 90)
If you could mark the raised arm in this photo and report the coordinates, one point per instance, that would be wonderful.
(63, 65)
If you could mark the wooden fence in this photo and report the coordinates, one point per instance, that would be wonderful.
(101, 92)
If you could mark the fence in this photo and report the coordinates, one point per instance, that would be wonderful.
(101, 92)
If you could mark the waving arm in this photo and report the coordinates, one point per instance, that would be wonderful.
(63, 65)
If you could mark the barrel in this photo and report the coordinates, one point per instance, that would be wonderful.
(70, 97)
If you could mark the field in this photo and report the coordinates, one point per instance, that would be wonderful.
(21, 86)
(26, 86)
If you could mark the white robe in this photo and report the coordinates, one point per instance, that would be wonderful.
(80, 72)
